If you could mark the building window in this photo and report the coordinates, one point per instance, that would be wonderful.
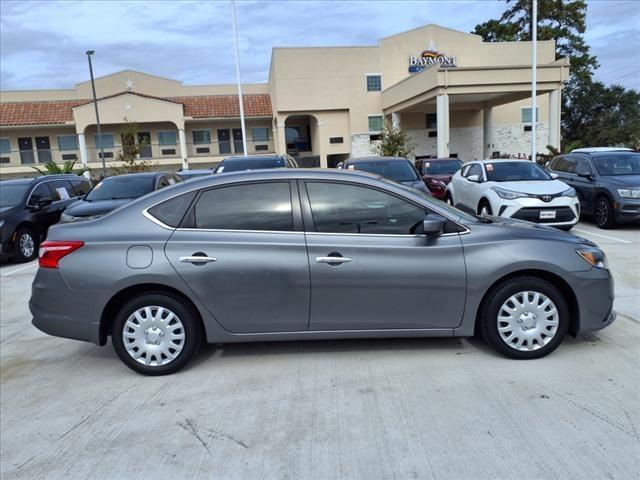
(375, 123)
(108, 141)
(5, 146)
(67, 143)
(260, 134)
(374, 83)
(432, 121)
(201, 137)
(167, 138)
(526, 114)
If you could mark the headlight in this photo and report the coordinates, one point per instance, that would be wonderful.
(629, 192)
(594, 256)
(66, 218)
(569, 192)
(508, 194)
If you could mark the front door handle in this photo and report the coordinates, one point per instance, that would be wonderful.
(333, 260)
(198, 259)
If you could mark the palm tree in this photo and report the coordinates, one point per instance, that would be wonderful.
(52, 168)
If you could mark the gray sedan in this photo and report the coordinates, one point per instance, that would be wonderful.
(308, 254)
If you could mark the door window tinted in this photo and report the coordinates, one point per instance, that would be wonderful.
(258, 206)
(583, 166)
(474, 169)
(61, 190)
(564, 164)
(171, 212)
(341, 208)
(41, 191)
(80, 187)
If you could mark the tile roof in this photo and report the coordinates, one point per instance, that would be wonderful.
(205, 106)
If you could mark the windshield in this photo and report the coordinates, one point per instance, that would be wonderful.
(618, 164)
(515, 171)
(250, 164)
(442, 167)
(11, 195)
(399, 170)
(117, 188)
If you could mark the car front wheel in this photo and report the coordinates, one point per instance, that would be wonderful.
(156, 333)
(604, 213)
(26, 245)
(524, 318)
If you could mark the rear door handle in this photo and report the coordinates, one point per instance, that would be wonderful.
(198, 259)
(331, 260)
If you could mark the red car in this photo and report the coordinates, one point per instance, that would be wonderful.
(437, 173)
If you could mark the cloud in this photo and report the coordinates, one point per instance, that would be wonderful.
(192, 41)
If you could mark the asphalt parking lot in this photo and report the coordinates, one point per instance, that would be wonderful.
(406, 408)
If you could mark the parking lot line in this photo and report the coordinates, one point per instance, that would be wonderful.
(603, 236)
(7, 274)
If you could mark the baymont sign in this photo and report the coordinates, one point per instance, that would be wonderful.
(430, 56)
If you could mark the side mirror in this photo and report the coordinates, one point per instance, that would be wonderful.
(587, 175)
(474, 178)
(433, 225)
(553, 175)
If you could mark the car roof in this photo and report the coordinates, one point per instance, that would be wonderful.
(139, 174)
(252, 157)
(377, 159)
(40, 178)
(193, 170)
(502, 160)
(601, 149)
(18, 181)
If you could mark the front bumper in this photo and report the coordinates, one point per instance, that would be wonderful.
(62, 312)
(567, 210)
(594, 291)
(627, 210)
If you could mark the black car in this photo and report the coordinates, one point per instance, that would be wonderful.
(255, 162)
(398, 169)
(29, 206)
(113, 192)
(189, 174)
(607, 182)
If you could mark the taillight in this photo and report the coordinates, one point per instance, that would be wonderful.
(51, 252)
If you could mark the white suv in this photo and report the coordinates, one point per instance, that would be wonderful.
(517, 189)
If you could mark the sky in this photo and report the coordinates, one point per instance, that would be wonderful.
(43, 43)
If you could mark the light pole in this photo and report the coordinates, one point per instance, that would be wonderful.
(235, 32)
(95, 104)
(534, 80)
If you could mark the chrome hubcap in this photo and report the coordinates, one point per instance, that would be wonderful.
(527, 321)
(27, 245)
(484, 211)
(153, 336)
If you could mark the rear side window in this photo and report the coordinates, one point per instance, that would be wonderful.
(258, 206)
(39, 192)
(343, 208)
(61, 190)
(80, 187)
(172, 211)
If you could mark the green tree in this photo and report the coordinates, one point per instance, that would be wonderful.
(394, 143)
(132, 146)
(53, 168)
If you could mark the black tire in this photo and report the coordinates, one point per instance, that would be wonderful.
(448, 198)
(484, 203)
(499, 294)
(603, 213)
(21, 252)
(193, 335)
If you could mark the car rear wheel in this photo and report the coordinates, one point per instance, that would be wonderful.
(156, 333)
(604, 213)
(26, 245)
(524, 318)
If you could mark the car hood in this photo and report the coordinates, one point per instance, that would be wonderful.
(524, 229)
(622, 181)
(83, 208)
(542, 187)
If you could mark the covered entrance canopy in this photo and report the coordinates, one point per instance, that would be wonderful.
(474, 88)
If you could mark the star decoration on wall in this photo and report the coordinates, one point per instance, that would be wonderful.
(128, 107)
(129, 84)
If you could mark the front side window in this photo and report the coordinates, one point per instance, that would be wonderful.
(474, 169)
(67, 143)
(5, 146)
(258, 206)
(343, 208)
(374, 83)
(61, 190)
(201, 137)
(618, 164)
(375, 123)
(38, 193)
(80, 187)
(260, 134)
(108, 140)
(167, 138)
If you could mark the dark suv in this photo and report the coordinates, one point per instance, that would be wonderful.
(607, 182)
(29, 206)
(255, 162)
